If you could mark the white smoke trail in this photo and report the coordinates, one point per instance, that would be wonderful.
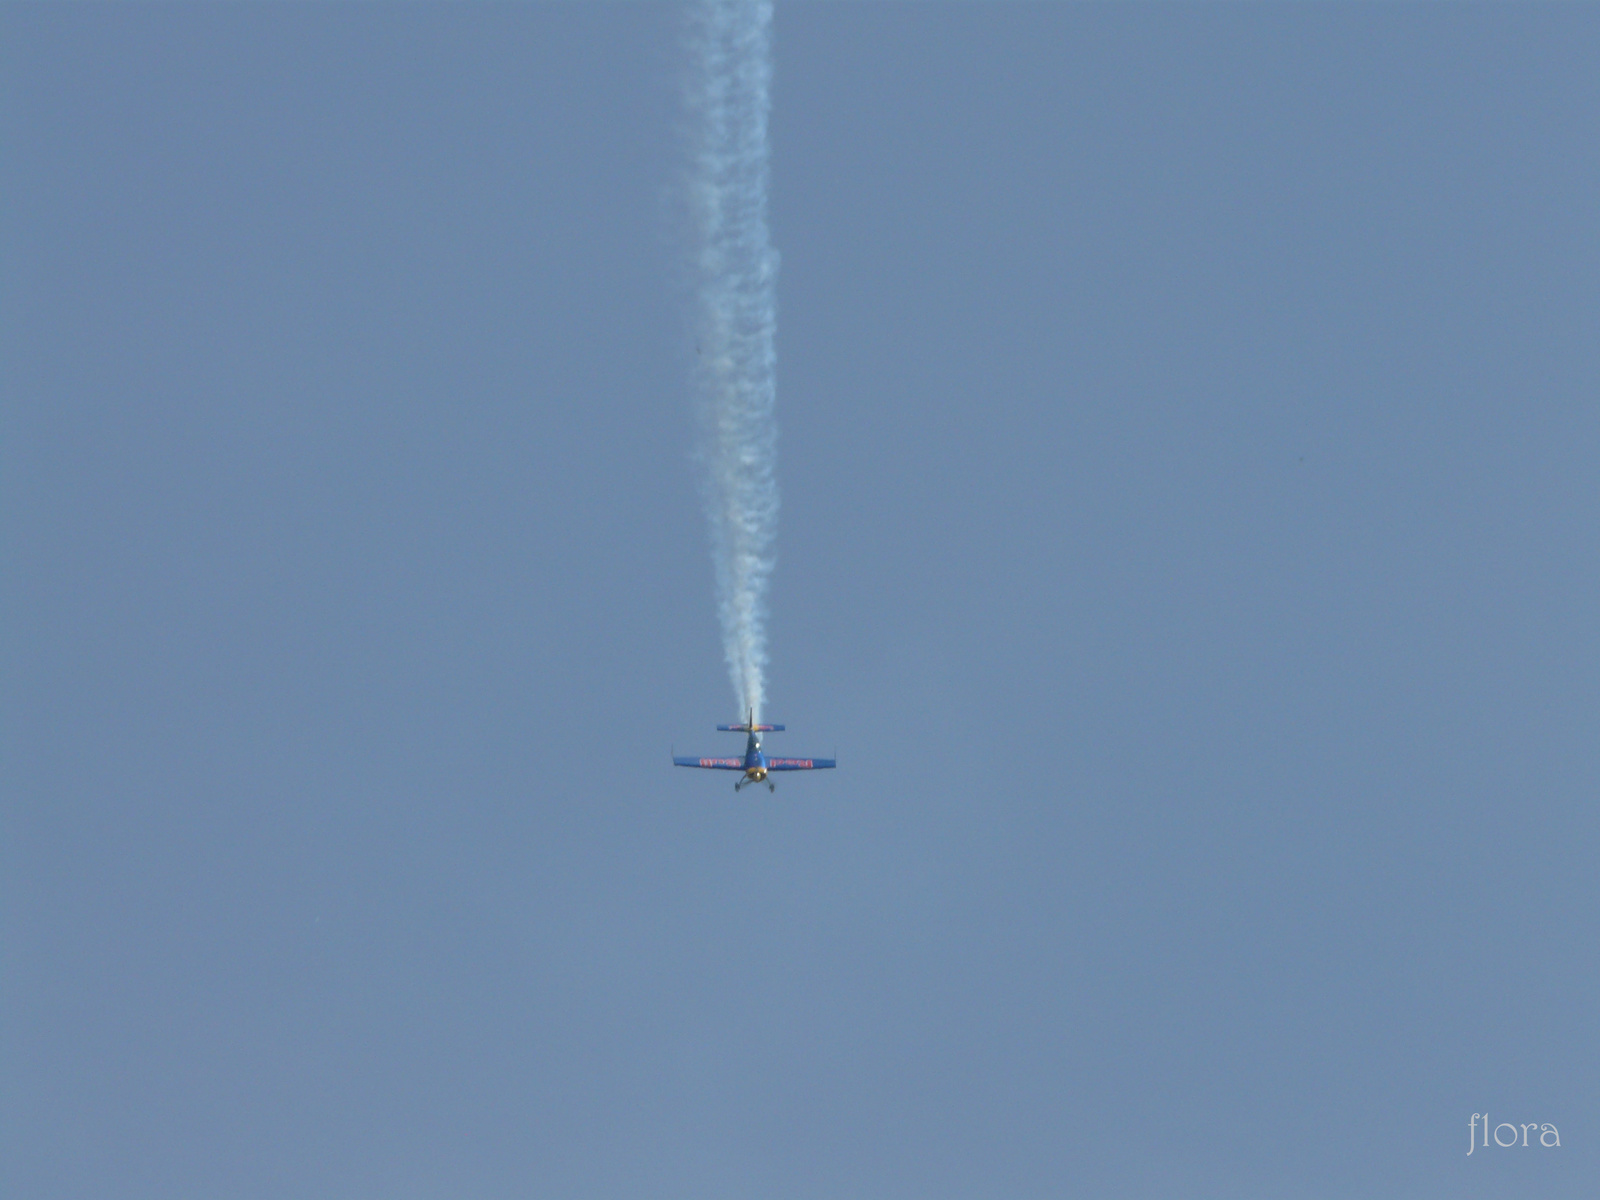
(735, 277)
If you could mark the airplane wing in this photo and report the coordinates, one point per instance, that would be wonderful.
(715, 764)
(800, 764)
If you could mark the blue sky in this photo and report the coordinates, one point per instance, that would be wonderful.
(1188, 543)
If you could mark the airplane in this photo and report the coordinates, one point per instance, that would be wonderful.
(754, 764)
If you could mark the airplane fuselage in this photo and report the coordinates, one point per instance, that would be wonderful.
(755, 762)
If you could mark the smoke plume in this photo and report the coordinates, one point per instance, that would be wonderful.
(735, 273)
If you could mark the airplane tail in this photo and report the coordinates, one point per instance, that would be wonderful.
(750, 726)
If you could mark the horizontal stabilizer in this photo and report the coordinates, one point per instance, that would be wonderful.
(715, 764)
(800, 764)
(749, 728)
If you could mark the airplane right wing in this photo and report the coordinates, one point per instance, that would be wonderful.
(715, 764)
(800, 764)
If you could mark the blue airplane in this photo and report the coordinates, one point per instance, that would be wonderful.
(754, 764)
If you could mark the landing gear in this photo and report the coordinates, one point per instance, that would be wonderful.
(772, 787)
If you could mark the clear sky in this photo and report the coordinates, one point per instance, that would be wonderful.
(1189, 543)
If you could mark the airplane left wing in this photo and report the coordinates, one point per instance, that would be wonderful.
(715, 764)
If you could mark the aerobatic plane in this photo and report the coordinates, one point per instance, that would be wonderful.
(755, 765)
